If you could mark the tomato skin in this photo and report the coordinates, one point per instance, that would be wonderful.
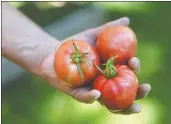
(119, 92)
(117, 40)
(67, 70)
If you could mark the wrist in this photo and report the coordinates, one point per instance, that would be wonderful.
(30, 53)
(41, 56)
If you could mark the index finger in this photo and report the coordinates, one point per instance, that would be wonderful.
(122, 21)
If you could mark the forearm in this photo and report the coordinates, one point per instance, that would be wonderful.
(23, 42)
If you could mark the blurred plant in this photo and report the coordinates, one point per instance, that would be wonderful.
(17, 4)
(60, 107)
(40, 5)
(124, 6)
(151, 113)
(154, 52)
(48, 5)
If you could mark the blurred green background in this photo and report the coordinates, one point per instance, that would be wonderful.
(30, 100)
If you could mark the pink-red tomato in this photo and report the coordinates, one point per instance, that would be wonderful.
(66, 67)
(117, 40)
(119, 92)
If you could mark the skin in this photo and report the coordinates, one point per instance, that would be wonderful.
(67, 69)
(118, 40)
(33, 49)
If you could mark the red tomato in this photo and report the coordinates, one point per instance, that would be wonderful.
(119, 91)
(74, 65)
(117, 40)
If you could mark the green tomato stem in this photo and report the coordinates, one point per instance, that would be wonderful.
(80, 71)
(77, 58)
(75, 47)
(110, 70)
(99, 68)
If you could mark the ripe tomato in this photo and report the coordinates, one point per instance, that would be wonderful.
(73, 63)
(117, 40)
(118, 88)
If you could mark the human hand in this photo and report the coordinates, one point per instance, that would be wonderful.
(86, 94)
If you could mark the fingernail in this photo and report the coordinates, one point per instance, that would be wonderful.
(95, 94)
(96, 97)
(146, 95)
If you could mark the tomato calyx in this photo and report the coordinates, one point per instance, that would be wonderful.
(77, 58)
(110, 70)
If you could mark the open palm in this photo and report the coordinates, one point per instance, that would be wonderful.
(86, 94)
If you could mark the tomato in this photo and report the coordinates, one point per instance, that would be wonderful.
(118, 88)
(74, 63)
(117, 40)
